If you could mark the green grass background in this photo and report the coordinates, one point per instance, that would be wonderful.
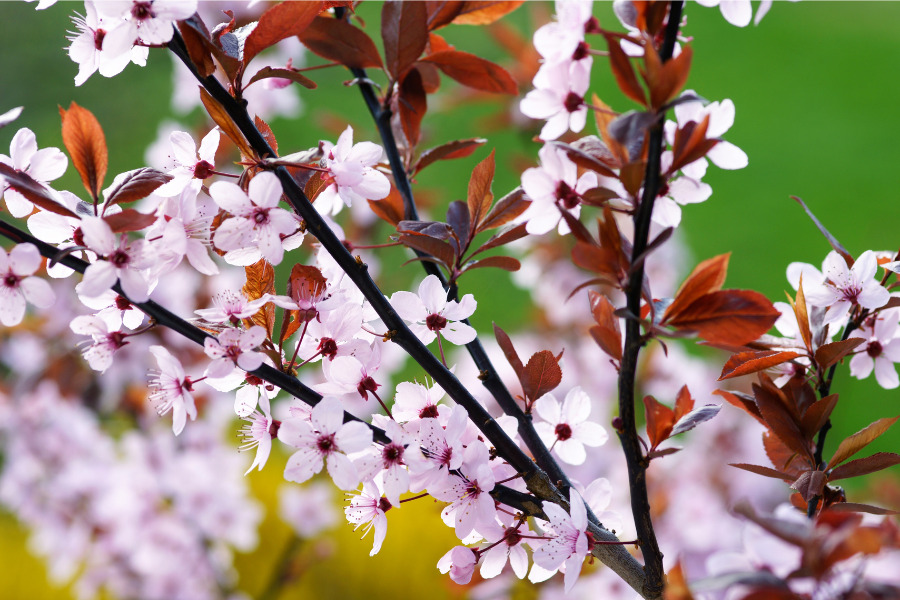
(815, 86)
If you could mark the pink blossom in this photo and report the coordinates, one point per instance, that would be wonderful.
(351, 169)
(231, 307)
(42, 165)
(509, 545)
(117, 259)
(368, 508)
(415, 401)
(351, 376)
(566, 428)
(99, 352)
(724, 155)
(389, 462)
(171, 389)
(469, 495)
(430, 314)
(258, 433)
(846, 287)
(563, 40)
(17, 284)
(193, 166)
(326, 437)
(150, 21)
(87, 47)
(257, 221)
(183, 231)
(570, 545)
(554, 187)
(234, 347)
(460, 563)
(441, 448)
(558, 98)
(880, 350)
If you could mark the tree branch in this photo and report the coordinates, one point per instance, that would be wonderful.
(634, 456)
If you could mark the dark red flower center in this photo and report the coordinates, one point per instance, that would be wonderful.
(367, 385)
(260, 216)
(326, 444)
(874, 349)
(392, 454)
(512, 536)
(435, 322)
(11, 280)
(98, 39)
(384, 504)
(569, 197)
(581, 51)
(122, 303)
(573, 102)
(119, 258)
(429, 412)
(274, 427)
(203, 169)
(142, 11)
(563, 432)
(328, 347)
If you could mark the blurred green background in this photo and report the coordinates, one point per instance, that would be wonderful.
(815, 86)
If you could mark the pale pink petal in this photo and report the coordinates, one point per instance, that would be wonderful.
(24, 259)
(37, 291)
(302, 465)
(342, 471)
(12, 306)
(736, 12)
(265, 189)
(886, 373)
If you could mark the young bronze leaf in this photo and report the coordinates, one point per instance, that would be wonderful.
(509, 351)
(779, 420)
(745, 363)
(441, 251)
(584, 158)
(503, 237)
(474, 71)
(279, 22)
(830, 354)
(84, 139)
(764, 471)
(129, 220)
(135, 185)
(672, 76)
(624, 72)
(707, 277)
(733, 317)
(338, 40)
(484, 13)
(864, 508)
(660, 419)
(412, 105)
(295, 76)
(448, 151)
(389, 209)
(507, 263)
(260, 281)
(197, 45)
(404, 33)
(505, 210)
(864, 466)
(603, 118)
(35, 192)
(684, 403)
(810, 484)
(541, 375)
(479, 196)
(859, 440)
(801, 313)
(743, 402)
(221, 118)
(817, 415)
(606, 333)
(266, 132)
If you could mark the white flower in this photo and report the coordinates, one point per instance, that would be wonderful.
(570, 544)
(258, 433)
(234, 347)
(880, 351)
(368, 508)
(430, 313)
(193, 166)
(231, 307)
(17, 285)
(558, 97)
(846, 287)
(326, 437)
(171, 389)
(42, 165)
(553, 187)
(87, 48)
(117, 260)
(257, 222)
(354, 178)
(99, 352)
(566, 428)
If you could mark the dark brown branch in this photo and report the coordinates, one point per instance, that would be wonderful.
(491, 381)
(634, 456)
